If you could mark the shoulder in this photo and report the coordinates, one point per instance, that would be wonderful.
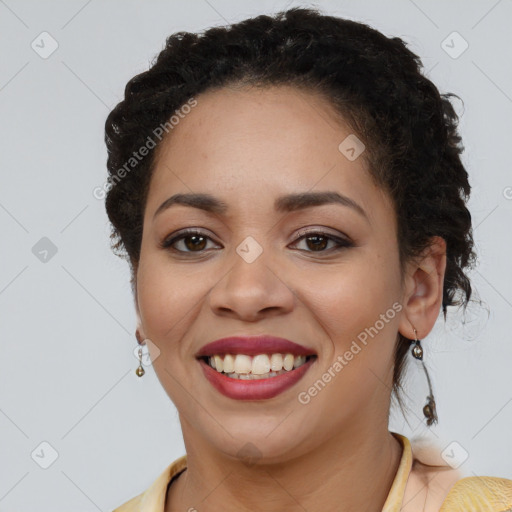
(441, 489)
(434, 486)
(482, 493)
(428, 486)
(153, 499)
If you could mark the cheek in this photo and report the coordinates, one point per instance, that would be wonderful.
(354, 305)
(355, 294)
(165, 298)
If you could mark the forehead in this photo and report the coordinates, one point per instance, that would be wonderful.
(260, 141)
(255, 115)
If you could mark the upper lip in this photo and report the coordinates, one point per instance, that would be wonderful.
(253, 345)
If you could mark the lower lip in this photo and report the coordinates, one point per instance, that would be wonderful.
(258, 389)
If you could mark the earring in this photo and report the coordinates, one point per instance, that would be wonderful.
(140, 370)
(429, 410)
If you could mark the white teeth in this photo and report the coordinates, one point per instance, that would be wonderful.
(276, 362)
(219, 366)
(229, 363)
(250, 376)
(287, 362)
(260, 364)
(299, 361)
(242, 366)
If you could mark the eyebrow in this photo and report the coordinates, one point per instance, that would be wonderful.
(287, 203)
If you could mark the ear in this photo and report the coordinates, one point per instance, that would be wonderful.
(139, 331)
(423, 290)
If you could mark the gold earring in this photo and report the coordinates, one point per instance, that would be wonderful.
(429, 410)
(140, 370)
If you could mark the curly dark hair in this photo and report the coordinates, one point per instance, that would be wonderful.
(374, 83)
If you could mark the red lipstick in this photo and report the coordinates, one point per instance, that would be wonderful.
(254, 345)
(257, 389)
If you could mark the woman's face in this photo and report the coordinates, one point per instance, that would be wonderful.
(255, 273)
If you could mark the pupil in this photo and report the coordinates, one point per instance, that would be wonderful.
(316, 239)
(196, 238)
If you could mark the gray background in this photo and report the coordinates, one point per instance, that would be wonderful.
(67, 324)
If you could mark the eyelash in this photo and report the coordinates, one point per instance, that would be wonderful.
(342, 243)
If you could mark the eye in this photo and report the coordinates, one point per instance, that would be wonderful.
(319, 241)
(193, 240)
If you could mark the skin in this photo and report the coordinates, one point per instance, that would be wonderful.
(247, 147)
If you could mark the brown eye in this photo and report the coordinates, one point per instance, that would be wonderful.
(319, 241)
(196, 242)
(191, 241)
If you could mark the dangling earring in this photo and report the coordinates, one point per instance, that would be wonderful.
(139, 371)
(429, 410)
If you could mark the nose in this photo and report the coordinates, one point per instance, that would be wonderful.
(251, 291)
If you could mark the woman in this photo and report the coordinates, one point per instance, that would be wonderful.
(289, 194)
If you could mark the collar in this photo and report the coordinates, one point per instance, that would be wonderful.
(395, 497)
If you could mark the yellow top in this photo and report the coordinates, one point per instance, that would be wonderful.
(416, 486)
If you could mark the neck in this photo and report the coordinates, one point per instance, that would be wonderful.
(334, 476)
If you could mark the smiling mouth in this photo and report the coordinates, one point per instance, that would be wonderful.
(261, 366)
